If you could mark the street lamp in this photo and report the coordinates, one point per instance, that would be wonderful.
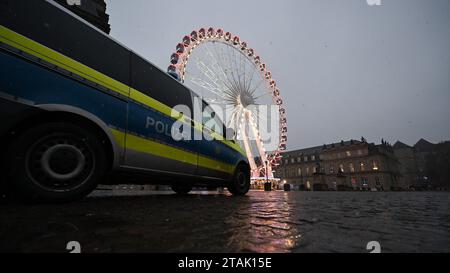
(268, 185)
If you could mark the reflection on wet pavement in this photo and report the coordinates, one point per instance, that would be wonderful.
(142, 221)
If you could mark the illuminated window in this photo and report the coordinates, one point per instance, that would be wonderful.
(331, 169)
(348, 153)
(375, 166)
(300, 171)
(341, 168)
(313, 158)
(363, 166)
(351, 167)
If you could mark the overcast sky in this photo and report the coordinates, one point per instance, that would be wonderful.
(345, 69)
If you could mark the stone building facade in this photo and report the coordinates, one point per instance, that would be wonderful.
(93, 11)
(425, 165)
(348, 165)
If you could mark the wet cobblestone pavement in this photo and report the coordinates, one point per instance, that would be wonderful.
(143, 221)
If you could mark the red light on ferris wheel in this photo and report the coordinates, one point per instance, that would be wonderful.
(220, 33)
(180, 48)
(186, 41)
(211, 32)
(202, 33)
(227, 36)
(174, 58)
(194, 36)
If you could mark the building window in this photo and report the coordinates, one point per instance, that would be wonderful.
(299, 171)
(299, 159)
(360, 152)
(341, 168)
(364, 182)
(375, 166)
(305, 159)
(363, 166)
(313, 158)
(377, 181)
(286, 162)
(334, 185)
(351, 167)
(354, 182)
(348, 153)
(293, 160)
(307, 171)
(331, 169)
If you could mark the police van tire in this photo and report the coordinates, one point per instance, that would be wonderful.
(240, 183)
(56, 162)
(181, 189)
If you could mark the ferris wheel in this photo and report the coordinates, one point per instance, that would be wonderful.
(226, 73)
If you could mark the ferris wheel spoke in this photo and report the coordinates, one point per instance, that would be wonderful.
(253, 90)
(248, 86)
(210, 74)
(234, 80)
(263, 95)
(207, 86)
(217, 67)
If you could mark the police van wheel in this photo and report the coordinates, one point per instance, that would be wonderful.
(57, 162)
(181, 189)
(240, 184)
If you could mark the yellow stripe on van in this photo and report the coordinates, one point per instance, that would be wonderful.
(143, 145)
(215, 165)
(29, 46)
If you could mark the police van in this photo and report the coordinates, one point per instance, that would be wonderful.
(77, 109)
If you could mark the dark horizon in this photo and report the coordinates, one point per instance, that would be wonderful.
(374, 142)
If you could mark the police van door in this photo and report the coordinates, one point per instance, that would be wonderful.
(151, 143)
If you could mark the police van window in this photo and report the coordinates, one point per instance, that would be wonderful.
(157, 84)
(211, 120)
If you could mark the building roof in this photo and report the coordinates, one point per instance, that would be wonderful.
(318, 149)
(424, 146)
(400, 145)
(93, 11)
(306, 151)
